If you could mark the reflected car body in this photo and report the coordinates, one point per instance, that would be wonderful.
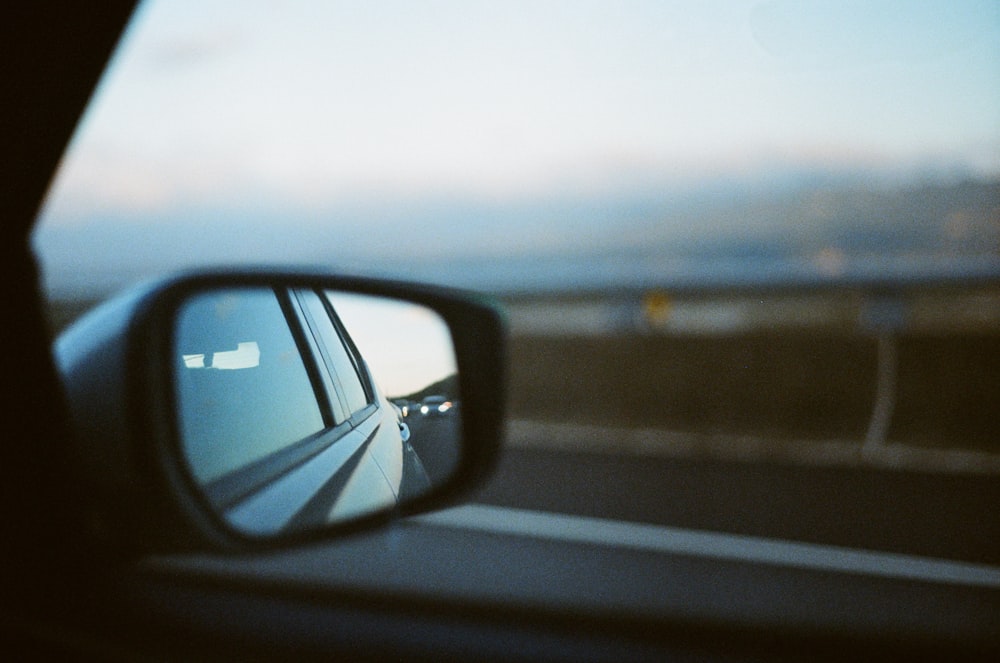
(404, 406)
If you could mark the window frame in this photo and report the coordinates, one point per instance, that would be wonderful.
(323, 354)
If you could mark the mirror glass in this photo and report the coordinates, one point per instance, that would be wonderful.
(301, 407)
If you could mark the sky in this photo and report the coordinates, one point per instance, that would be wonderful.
(305, 109)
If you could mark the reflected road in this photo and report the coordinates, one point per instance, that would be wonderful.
(433, 438)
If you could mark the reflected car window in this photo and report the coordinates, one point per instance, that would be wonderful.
(351, 389)
(243, 391)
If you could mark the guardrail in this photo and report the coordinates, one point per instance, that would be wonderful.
(917, 365)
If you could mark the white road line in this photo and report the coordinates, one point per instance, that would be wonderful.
(657, 443)
(658, 538)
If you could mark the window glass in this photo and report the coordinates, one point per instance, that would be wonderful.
(242, 389)
(721, 231)
(341, 364)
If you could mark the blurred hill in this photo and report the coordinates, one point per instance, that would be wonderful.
(804, 223)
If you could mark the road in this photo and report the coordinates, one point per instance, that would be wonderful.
(938, 515)
(644, 539)
(918, 512)
(641, 543)
(435, 440)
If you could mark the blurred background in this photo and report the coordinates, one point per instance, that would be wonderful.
(764, 231)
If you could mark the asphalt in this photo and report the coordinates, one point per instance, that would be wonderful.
(948, 515)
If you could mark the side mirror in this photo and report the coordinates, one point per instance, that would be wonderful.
(246, 410)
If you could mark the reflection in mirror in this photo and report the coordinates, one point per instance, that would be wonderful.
(300, 407)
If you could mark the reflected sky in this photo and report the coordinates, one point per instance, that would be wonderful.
(407, 347)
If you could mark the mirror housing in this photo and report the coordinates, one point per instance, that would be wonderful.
(118, 369)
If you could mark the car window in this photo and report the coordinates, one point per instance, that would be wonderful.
(753, 241)
(342, 363)
(242, 389)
